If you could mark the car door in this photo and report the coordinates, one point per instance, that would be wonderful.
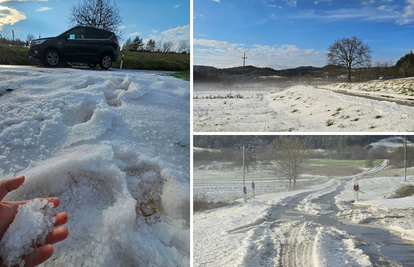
(93, 42)
(74, 44)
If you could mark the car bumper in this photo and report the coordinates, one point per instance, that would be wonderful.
(35, 53)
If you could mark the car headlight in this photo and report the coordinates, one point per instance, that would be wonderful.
(36, 42)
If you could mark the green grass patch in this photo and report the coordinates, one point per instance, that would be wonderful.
(337, 112)
(329, 122)
(183, 75)
(201, 202)
(153, 61)
(15, 55)
(341, 162)
(405, 191)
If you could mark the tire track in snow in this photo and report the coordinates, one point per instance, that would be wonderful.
(296, 248)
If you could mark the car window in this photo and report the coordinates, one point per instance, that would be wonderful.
(107, 35)
(93, 33)
(78, 33)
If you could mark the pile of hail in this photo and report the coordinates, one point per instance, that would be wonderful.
(33, 221)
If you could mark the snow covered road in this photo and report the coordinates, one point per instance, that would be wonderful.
(111, 145)
(298, 108)
(297, 228)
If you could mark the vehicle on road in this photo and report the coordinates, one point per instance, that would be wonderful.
(385, 77)
(83, 44)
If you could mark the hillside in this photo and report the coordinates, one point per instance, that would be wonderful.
(257, 72)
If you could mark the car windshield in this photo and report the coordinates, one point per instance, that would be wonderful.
(62, 33)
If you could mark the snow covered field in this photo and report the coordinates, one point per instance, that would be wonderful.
(276, 230)
(297, 108)
(219, 182)
(111, 146)
(394, 88)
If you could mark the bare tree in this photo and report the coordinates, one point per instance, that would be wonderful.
(30, 37)
(158, 46)
(98, 13)
(167, 46)
(250, 159)
(183, 47)
(290, 155)
(349, 53)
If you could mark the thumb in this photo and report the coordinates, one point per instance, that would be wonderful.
(8, 185)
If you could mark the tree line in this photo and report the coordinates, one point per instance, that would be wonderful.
(314, 141)
(288, 153)
(355, 56)
(138, 44)
(6, 40)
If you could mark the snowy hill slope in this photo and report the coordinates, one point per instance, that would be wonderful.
(395, 88)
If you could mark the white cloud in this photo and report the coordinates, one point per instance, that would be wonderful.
(2, 1)
(10, 16)
(177, 6)
(223, 54)
(408, 16)
(290, 2)
(135, 34)
(218, 1)
(368, 2)
(317, 2)
(175, 35)
(350, 13)
(124, 27)
(384, 8)
(43, 9)
(154, 31)
(177, 31)
(199, 16)
(380, 13)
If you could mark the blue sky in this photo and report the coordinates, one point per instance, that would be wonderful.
(160, 20)
(291, 33)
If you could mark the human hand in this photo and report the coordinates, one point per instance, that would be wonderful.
(8, 211)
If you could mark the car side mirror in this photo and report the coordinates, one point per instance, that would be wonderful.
(67, 36)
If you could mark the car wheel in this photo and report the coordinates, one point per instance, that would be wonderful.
(52, 58)
(106, 61)
(91, 65)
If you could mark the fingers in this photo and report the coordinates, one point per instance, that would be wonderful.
(43, 253)
(38, 256)
(54, 200)
(8, 185)
(61, 218)
(57, 235)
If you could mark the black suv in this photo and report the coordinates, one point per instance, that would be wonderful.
(84, 44)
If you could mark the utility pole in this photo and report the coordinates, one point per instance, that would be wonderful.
(405, 158)
(244, 60)
(244, 184)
